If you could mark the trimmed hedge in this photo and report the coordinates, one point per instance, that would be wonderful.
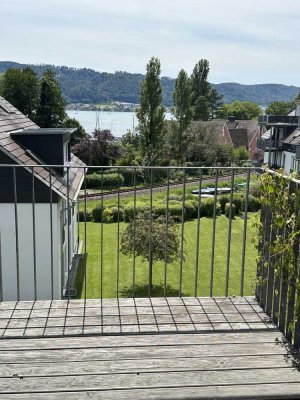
(227, 210)
(82, 216)
(107, 181)
(253, 204)
(207, 205)
(97, 213)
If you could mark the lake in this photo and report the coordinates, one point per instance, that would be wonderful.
(118, 122)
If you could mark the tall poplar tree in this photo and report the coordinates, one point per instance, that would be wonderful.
(150, 114)
(51, 108)
(201, 89)
(183, 113)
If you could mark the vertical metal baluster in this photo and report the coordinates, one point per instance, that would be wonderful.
(68, 222)
(166, 236)
(229, 235)
(51, 236)
(134, 231)
(118, 237)
(1, 277)
(198, 235)
(33, 233)
(213, 237)
(85, 244)
(245, 234)
(17, 232)
(182, 233)
(101, 240)
(150, 235)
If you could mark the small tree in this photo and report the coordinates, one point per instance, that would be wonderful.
(78, 134)
(147, 236)
(280, 108)
(241, 110)
(150, 114)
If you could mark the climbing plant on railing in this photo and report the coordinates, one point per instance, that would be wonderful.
(278, 227)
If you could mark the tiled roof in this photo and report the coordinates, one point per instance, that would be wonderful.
(11, 120)
(293, 138)
(242, 132)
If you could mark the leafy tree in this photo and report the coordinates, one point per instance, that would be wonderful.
(280, 108)
(200, 90)
(240, 154)
(146, 236)
(183, 113)
(21, 89)
(150, 114)
(215, 103)
(129, 149)
(51, 108)
(241, 110)
(102, 149)
(78, 134)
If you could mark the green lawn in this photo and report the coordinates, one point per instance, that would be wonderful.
(109, 265)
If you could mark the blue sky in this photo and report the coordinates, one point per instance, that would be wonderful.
(246, 42)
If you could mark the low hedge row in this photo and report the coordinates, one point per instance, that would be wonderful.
(190, 211)
(105, 181)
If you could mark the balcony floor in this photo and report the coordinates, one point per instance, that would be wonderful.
(204, 348)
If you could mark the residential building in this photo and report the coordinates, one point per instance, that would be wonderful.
(281, 141)
(37, 233)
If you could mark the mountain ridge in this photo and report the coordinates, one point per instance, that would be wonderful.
(85, 85)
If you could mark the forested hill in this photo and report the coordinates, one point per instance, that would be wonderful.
(89, 86)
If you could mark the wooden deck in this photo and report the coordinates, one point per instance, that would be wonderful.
(144, 349)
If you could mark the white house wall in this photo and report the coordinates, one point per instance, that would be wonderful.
(288, 161)
(26, 251)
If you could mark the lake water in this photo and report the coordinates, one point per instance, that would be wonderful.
(118, 122)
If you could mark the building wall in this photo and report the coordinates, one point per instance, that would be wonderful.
(288, 161)
(26, 251)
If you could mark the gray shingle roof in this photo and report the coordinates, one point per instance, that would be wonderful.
(11, 120)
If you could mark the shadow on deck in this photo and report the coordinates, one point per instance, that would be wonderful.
(174, 348)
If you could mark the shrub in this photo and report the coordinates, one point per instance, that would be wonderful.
(253, 203)
(107, 181)
(175, 211)
(82, 216)
(129, 210)
(190, 210)
(255, 189)
(238, 202)
(128, 177)
(97, 213)
(107, 215)
(227, 210)
(208, 207)
(117, 212)
(174, 197)
(223, 200)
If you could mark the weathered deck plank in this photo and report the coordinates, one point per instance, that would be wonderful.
(242, 357)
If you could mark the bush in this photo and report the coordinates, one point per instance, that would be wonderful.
(190, 210)
(255, 189)
(227, 210)
(82, 216)
(223, 200)
(117, 213)
(107, 216)
(208, 207)
(129, 210)
(253, 203)
(238, 202)
(128, 176)
(107, 181)
(97, 213)
(174, 197)
(175, 211)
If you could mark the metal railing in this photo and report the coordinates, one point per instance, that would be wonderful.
(42, 231)
(277, 119)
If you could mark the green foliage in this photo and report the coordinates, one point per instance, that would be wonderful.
(237, 200)
(223, 200)
(208, 207)
(183, 113)
(150, 114)
(200, 90)
(21, 89)
(136, 237)
(280, 107)
(253, 203)
(241, 110)
(105, 181)
(78, 134)
(240, 154)
(130, 211)
(129, 150)
(82, 216)
(107, 215)
(227, 210)
(117, 214)
(97, 213)
(50, 111)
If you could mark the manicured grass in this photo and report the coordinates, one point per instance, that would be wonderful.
(110, 257)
